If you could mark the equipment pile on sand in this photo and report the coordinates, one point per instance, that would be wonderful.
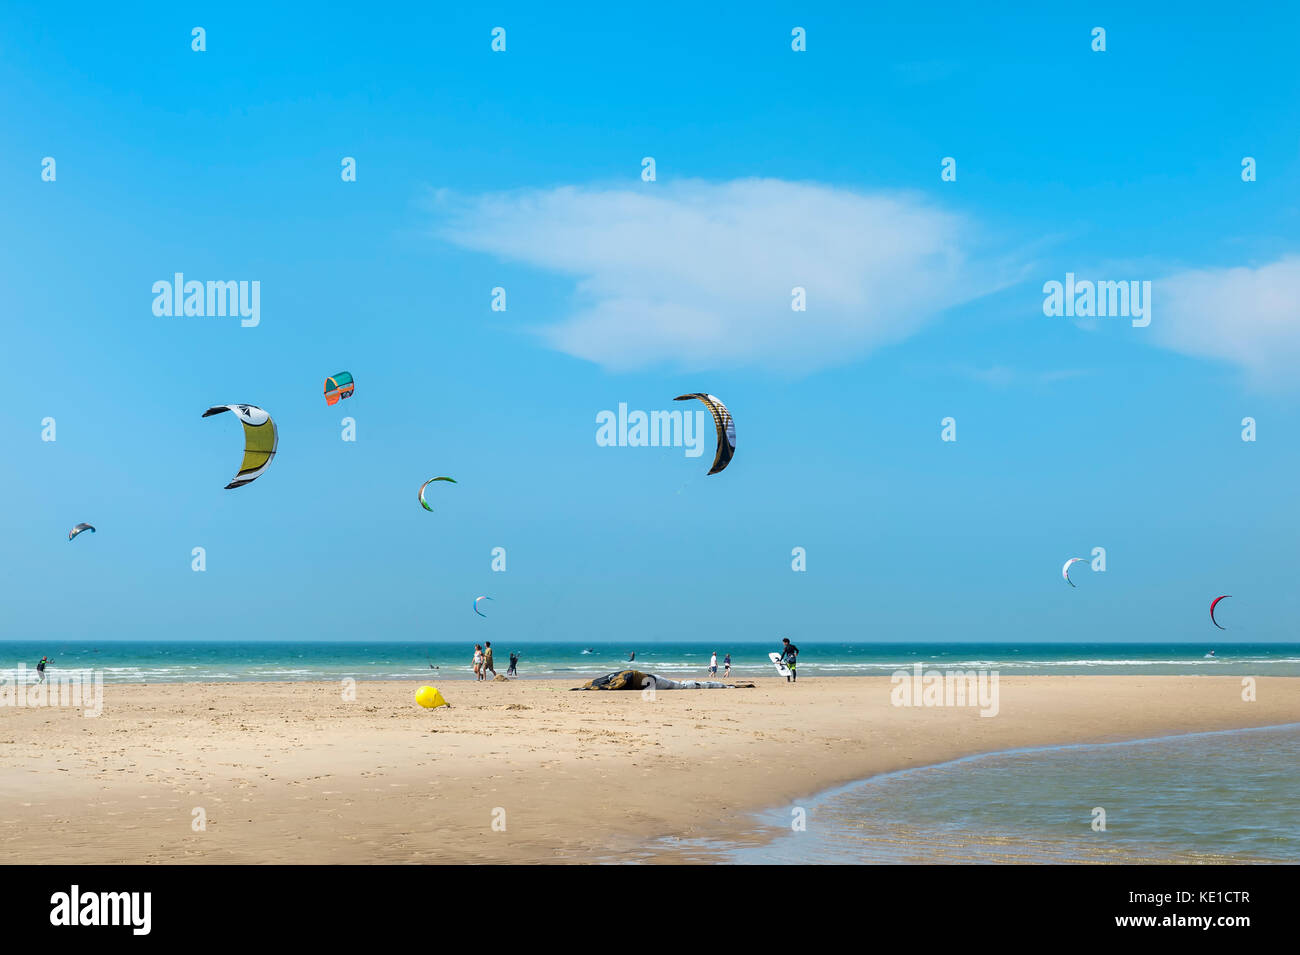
(637, 680)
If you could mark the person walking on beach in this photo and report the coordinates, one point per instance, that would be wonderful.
(478, 662)
(790, 657)
(713, 664)
(726, 666)
(487, 660)
(40, 669)
(514, 662)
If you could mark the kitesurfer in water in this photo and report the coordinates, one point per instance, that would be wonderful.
(40, 669)
(631, 656)
(790, 657)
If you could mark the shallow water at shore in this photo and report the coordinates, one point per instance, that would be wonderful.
(1209, 797)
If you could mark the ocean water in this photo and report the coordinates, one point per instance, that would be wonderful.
(124, 661)
(1202, 798)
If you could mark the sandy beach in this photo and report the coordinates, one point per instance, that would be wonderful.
(524, 771)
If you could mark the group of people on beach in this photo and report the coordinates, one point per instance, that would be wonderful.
(483, 662)
(713, 665)
(789, 656)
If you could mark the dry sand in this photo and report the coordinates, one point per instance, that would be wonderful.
(291, 773)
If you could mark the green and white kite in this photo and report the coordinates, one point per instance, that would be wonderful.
(260, 440)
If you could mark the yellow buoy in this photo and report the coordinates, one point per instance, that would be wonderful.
(429, 697)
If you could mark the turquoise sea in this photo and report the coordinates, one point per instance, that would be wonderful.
(123, 661)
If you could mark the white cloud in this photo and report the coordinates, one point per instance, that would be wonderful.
(699, 274)
(1004, 376)
(1247, 316)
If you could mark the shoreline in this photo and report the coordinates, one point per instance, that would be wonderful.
(132, 662)
(767, 830)
(288, 772)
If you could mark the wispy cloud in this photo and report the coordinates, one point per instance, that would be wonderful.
(1247, 316)
(700, 274)
(1005, 376)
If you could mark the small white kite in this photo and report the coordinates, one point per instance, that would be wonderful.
(1065, 571)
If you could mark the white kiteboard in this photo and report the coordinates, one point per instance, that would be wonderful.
(781, 668)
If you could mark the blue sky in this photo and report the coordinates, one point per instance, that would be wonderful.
(774, 168)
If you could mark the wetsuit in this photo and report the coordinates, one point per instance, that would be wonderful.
(791, 657)
(40, 672)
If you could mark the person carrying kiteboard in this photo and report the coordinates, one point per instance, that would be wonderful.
(790, 657)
